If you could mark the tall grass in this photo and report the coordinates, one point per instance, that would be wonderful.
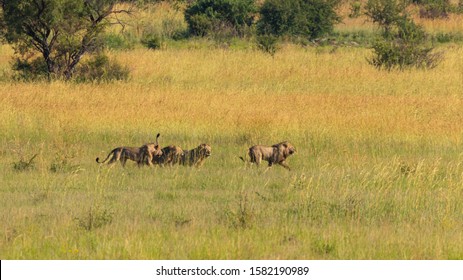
(378, 173)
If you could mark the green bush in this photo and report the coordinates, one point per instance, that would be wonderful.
(151, 41)
(385, 13)
(267, 43)
(355, 8)
(306, 18)
(118, 41)
(204, 17)
(34, 70)
(399, 54)
(100, 69)
(402, 44)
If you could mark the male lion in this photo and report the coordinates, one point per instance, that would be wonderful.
(275, 154)
(149, 152)
(122, 154)
(196, 156)
(170, 155)
(141, 155)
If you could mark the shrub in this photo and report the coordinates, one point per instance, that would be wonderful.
(308, 18)
(400, 54)
(204, 16)
(402, 44)
(100, 68)
(118, 41)
(385, 13)
(34, 70)
(243, 216)
(267, 43)
(355, 8)
(95, 217)
(151, 41)
(24, 165)
(435, 9)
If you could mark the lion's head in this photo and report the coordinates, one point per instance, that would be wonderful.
(204, 150)
(285, 149)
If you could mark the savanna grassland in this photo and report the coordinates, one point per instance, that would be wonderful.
(378, 172)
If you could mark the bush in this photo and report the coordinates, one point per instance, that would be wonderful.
(100, 68)
(435, 9)
(385, 13)
(95, 217)
(151, 41)
(268, 44)
(403, 44)
(355, 8)
(400, 55)
(118, 41)
(24, 165)
(30, 70)
(307, 18)
(205, 16)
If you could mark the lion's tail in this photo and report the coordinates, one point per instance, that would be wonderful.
(110, 153)
(244, 159)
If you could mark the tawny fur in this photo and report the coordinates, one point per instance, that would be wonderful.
(122, 154)
(141, 155)
(150, 151)
(196, 156)
(170, 155)
(275, 154)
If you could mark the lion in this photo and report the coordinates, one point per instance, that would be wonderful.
(275, 154)
(141, 155)
(149, 152)
(196, 156)
(170, 155)
(122, 154)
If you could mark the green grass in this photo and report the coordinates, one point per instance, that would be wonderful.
(378, 173)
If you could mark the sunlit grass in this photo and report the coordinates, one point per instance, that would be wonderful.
(378, 173)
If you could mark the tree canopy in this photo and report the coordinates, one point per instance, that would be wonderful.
(60, 31)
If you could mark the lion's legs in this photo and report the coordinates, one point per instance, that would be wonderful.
(123, 161)
(285, 165)
(256, 158)
(116, 157)
(150, 159)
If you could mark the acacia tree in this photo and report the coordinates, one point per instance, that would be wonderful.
(59, 31)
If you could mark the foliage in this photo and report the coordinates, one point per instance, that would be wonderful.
(401, 55)
(60, 31)
(206, 17)
(119, 41)
(151, 41)
(100, 69)
(24, 165)
(267, 43)
(435, 8)
(385, 13)
(95, 217)
(403, 44)
(29, 69)
(355, 8)
(307, 18)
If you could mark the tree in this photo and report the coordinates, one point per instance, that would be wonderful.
(403, 44)
(55, 33)
(204, 17)
(307, 18)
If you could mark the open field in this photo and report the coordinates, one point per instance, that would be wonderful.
(378, 173)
